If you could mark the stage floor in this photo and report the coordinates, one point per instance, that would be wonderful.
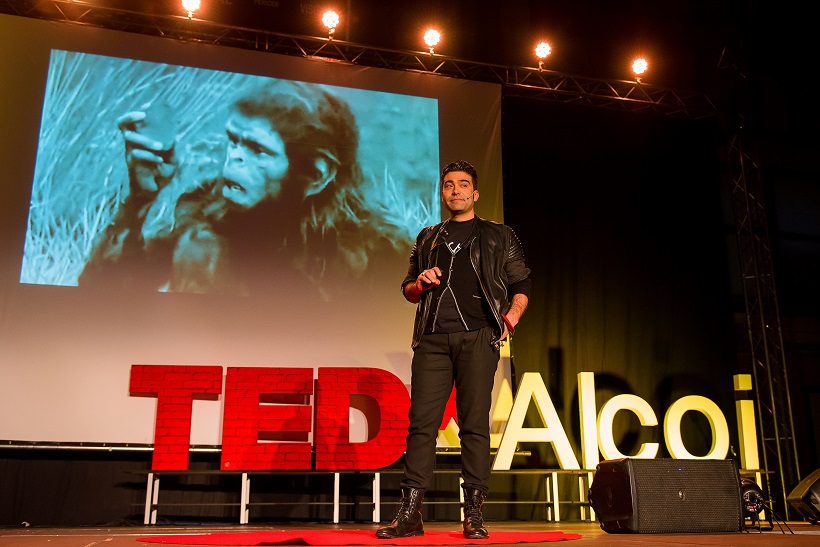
(804, 534)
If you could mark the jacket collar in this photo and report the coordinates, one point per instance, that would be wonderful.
(438, 238)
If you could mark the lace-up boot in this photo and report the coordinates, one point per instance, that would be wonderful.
(473, 518)
(408, 521)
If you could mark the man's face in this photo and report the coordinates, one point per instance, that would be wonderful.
(458, 193)
(256, 162)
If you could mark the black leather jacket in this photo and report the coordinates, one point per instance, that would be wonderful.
(497, 258)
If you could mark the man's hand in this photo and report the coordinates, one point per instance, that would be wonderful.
(513, 316)
(424, 282)
(149, 148)
(428, 279)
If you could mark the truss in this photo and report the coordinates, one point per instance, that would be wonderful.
(763, 320)
(517, 81)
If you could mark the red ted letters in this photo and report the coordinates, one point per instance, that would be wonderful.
(268, 417)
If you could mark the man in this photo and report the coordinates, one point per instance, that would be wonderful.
(468, 277)
(279, 194)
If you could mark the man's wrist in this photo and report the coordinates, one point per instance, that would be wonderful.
(510, 326)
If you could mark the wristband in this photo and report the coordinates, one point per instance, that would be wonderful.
(510, 328)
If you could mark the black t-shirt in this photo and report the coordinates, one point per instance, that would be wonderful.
(458, 303)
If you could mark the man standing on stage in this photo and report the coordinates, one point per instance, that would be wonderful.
(468, 277)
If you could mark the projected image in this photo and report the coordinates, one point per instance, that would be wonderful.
(170, 178)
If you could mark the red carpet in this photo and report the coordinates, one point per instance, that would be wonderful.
(354, 537)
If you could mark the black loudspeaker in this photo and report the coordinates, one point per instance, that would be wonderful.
(805, 498)
(666, 496)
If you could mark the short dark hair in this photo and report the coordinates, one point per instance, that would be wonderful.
(461, 165)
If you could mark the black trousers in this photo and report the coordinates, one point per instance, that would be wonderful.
(467, 360)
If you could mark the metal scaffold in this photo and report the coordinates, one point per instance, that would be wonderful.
(775, 421)
(523, 81)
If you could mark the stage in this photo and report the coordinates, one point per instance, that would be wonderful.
(592, 535)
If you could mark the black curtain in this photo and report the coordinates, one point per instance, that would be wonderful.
(623, 225)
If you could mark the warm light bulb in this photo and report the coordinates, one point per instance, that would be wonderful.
(431, 38)
(542, 50)
(331, 20)
(639, 66)
(190, 6)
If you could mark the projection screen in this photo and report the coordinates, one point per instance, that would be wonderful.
(168, 202)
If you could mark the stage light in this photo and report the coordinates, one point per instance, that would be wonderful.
(190, 6)
(432, 38)
(752, 498)
(542, 50)
(639, 66)
(331, 21)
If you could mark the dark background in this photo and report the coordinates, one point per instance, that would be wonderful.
(624, 216)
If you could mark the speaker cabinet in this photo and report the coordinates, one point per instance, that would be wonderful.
(805, 498)
(662, 496)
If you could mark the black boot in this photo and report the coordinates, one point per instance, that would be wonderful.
(408, 522)
(473, 519)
